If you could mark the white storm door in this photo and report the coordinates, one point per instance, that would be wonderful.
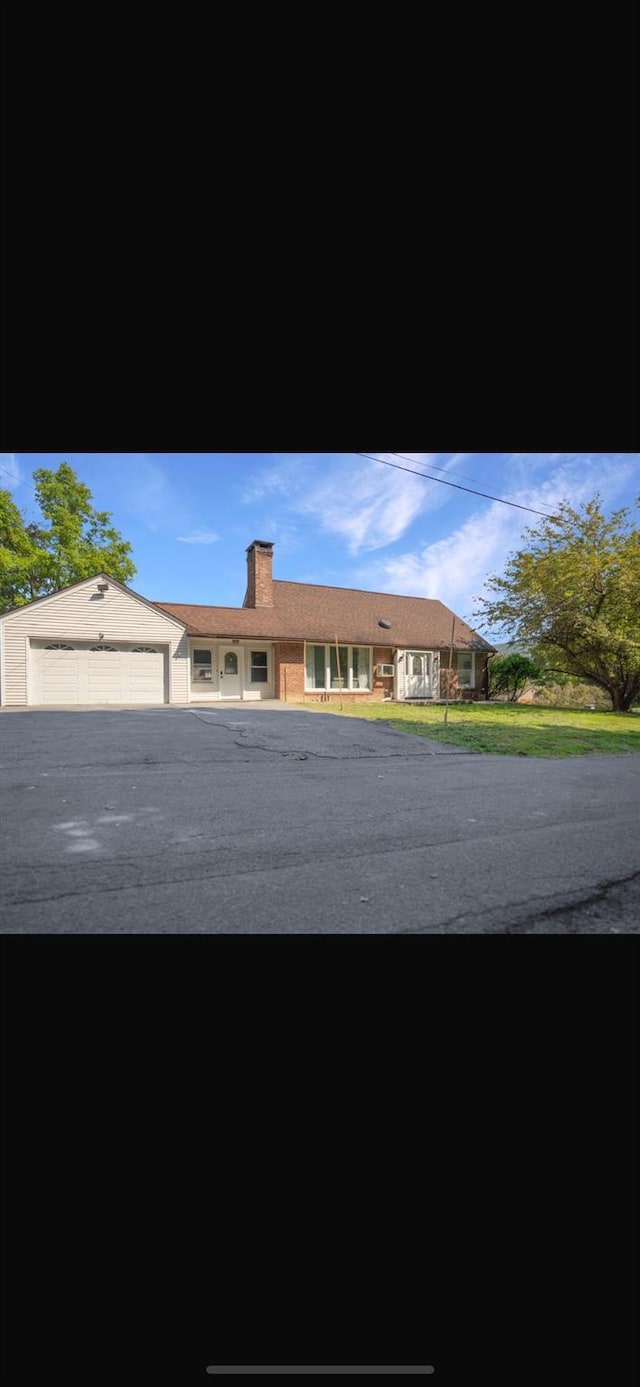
(230, 669)
(418, 676)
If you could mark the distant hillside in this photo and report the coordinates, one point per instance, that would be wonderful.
(506, 648)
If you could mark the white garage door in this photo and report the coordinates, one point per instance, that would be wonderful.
(70, 672)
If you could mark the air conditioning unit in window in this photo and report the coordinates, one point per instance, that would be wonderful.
(385, 671)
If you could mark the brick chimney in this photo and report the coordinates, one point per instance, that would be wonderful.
(259, 577)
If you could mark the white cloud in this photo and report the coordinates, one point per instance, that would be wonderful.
(368, 509)
(148, 493)
(10, 473)
(454, 570)
(369, 506)
(281, 479)
(576, 478)
(198, 537)
(357, 499)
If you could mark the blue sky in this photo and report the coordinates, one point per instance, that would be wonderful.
(334, 518)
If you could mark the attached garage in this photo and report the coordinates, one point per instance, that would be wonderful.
(96, 643)
(62, 672)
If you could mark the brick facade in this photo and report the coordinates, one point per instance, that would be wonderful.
(290, 678)
(259, 574)
(289, 666)
(456, 694)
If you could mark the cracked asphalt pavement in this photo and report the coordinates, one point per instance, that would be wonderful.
(262, 820)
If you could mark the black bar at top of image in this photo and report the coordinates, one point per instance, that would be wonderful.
(426, 1370)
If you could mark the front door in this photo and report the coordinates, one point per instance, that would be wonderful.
(230, 673)
(418, 680)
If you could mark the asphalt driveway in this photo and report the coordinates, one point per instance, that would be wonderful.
(266, 820)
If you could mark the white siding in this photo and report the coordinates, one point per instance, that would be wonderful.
(83, 614)
(14, 668)
(209, 691)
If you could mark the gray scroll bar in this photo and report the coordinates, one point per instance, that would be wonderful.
(426, 1370)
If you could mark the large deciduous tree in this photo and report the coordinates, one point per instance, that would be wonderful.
(73, 542)
(572, 597)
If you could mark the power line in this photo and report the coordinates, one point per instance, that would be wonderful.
(434, 468)
(16, 478)
(487, 495)
(502, 499)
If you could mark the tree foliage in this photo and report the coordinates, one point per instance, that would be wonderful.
(510, 674)
(74, 542)
(572, 596)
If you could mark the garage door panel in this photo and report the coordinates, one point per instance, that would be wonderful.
(86, 675)
(59, 677)
(146, 670)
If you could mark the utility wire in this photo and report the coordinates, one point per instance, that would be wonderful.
(16, 478)
(418, 462)
(504, 501)
(487, 495)
(434, 468)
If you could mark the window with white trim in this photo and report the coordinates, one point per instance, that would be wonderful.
(201, 667)
(335, 668)
(465, 669)
(111, 648)
(259, 667)
(339, 666)
(143, 650)
(360, 667)
(59, 645)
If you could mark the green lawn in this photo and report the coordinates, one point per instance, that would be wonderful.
(505, 728)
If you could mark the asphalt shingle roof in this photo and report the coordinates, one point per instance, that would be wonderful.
(304, 611)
